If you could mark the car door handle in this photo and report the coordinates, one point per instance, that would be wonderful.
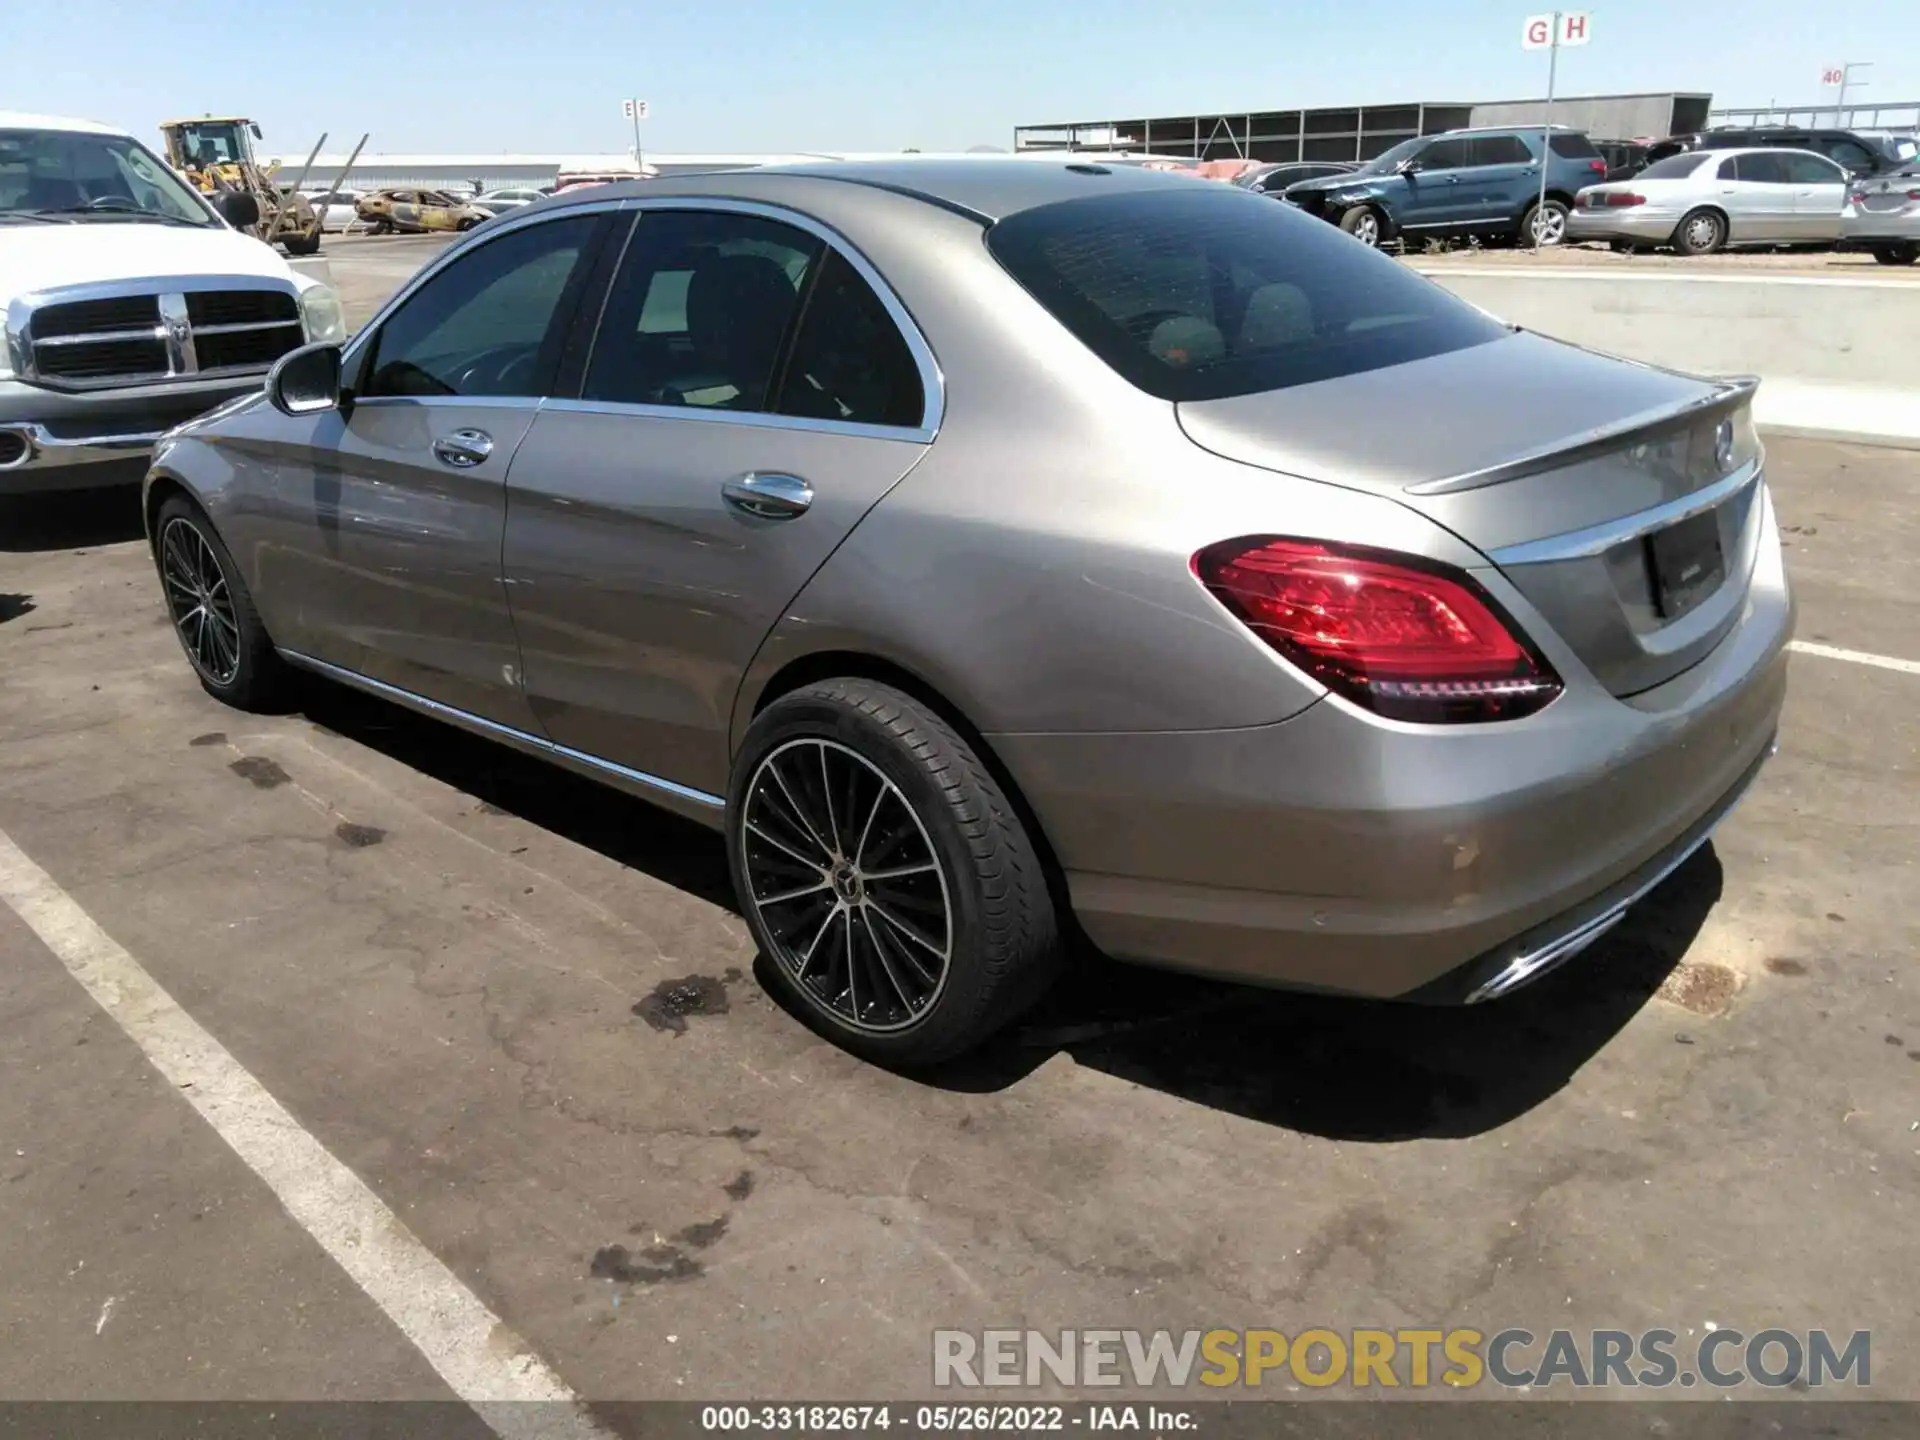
(463, 449)
(768, 496)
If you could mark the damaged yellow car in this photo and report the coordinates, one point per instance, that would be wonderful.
(415, 212)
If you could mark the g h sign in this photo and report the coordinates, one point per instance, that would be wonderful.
(1564, 27)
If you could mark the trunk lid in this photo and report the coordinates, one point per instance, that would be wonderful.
(1583, 478)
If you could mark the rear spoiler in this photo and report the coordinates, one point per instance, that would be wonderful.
(1727, 396)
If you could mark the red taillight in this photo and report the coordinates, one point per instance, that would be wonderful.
(1619, 198)
(1858, 197)
(1913, 194)
(1410, 639)
(1598, 167)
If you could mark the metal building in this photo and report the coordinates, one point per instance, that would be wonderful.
(1361, 132)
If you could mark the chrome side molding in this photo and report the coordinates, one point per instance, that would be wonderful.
(537, 745)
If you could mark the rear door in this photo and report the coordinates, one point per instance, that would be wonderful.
(1819, 191)
(383, 548)
(1503, 178)
(750, 395)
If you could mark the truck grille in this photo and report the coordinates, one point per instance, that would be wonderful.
(172, 335)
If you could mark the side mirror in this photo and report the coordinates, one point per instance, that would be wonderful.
(1411, 167)
(237, 208)
(254, 126)
(306, 381)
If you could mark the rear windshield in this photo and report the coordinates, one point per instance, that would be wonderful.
(1204, 292)
(1674, 167)
(1573, 147)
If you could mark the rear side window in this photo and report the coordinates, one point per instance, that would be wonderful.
(1208, 292)
(1572, 147)
(699, 311)
(1763, 167)
(1680, 167)
(849, 361)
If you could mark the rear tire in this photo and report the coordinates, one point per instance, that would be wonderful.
(1904, 252)
(302, 244)
(1551, 221)
(885, 875)
(212, 611)
(1364, 224)
(1701, 232)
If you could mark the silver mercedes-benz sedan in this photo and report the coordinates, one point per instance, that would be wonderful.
(997, 551)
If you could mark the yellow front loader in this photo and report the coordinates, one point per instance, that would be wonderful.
(215, 153)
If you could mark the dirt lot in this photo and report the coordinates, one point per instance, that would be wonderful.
(456, 971)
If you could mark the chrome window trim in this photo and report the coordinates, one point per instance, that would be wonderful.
(22, 308)
(1598, 539)
(538, 744)
(753, 419)
(932, 379)
(450, 402)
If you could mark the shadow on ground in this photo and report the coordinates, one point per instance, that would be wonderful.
(70, 520)
(1346, 1069)
(14, 605)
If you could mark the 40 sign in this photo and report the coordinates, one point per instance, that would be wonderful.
(1561, 28)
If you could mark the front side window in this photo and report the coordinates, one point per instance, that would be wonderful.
(78, 175)
(1445, 155)
(700, 310)
(1204, 292)
(482, 325)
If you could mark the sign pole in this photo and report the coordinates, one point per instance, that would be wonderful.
(634, 110)
(1546, 131)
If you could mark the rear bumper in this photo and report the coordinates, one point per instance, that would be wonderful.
(55, 440)
(1626, 223)
(1337, 852)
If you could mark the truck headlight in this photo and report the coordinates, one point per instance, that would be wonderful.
(321, 312)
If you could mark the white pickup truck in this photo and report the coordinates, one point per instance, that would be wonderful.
(130, 304)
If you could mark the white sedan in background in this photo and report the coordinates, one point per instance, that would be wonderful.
(1701, 201)
(495, 202)
(335, 207)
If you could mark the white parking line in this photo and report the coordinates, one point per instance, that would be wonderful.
(1855, 657)
(483, 1362)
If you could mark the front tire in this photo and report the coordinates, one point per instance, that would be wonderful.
(1901, 253)
(1701, 232)
(212, 611)
(1362, 222)
(885, 875)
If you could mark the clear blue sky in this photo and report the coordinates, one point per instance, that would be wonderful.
(479, 75)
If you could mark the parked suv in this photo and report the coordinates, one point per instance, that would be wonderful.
(1862, 154)
(1462, 182)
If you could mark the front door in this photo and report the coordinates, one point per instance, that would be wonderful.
(659, 527)
(1434, 199)
(404, 503)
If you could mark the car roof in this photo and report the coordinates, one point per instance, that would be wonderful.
(987, 189)
(20, 120)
